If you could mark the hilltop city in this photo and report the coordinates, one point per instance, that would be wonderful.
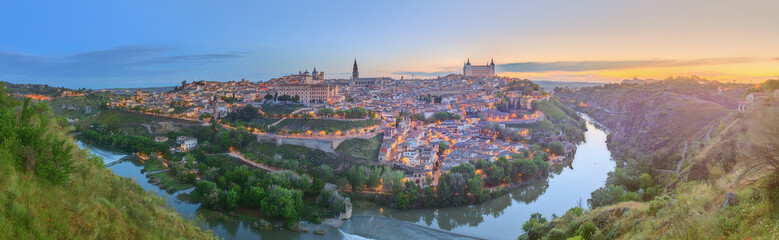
(427, 125)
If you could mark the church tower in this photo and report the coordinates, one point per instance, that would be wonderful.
(355, 72)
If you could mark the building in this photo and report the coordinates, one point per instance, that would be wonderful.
(311, 93)
(751, 99)
(479, 70)
(186, 143)
(314, 77)
(140, 95)
(356, 80)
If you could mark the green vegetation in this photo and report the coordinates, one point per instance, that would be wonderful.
(564, 118)
(277, 194)
(124, 143)
(505, 171)
(375, 177)
(80, 107)
(355, 113)
(49, 189)
(169, 181)
(242, 115)
(367, 149)
(153, 164)
(279, 109)
(249, 116)
(442, 116)
(178, 177)
(526, 87)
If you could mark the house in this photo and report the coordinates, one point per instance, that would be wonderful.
(752, 98)
(186, 143)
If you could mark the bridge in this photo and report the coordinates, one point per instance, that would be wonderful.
(327, 144)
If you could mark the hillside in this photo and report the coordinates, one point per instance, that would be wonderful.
(647, 122)
(367, 149)
(50, 188)
(736, 165)
(727, 186)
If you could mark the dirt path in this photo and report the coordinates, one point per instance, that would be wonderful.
(240, 156)
(684, 154)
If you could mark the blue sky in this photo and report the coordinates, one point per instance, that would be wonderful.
(99, 44)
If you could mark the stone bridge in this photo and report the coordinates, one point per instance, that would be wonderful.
(327, 144)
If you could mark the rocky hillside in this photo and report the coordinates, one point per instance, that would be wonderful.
(716, 170)
(728, 190)
(647, 122)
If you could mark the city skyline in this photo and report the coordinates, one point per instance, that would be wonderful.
(147, 44)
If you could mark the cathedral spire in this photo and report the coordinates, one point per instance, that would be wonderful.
(355, 72)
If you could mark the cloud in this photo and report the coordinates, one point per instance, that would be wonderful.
(577, 66)
(116, 63)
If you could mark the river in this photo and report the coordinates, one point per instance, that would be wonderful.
(500, 218)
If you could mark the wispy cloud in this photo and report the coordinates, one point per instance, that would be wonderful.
(115, 63)
(577, 66)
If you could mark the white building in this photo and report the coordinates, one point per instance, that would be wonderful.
(186, 143)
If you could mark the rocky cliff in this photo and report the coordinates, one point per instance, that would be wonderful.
(648, 122)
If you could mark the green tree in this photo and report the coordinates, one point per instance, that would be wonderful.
(230, 200)
(282, 202)
(325, 112)
(608, 195)
(556, 148)
(430, 199)
(533, 226)
(207, 193)
(645, 181)
(441, 147)
(444, 195)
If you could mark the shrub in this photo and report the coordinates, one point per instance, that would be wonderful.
(586, 230)
(658, 203)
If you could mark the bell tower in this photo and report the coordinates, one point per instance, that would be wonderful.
(355, 72)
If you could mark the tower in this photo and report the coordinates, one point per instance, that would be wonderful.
(355, 72)
(492, 67)
(467, 68)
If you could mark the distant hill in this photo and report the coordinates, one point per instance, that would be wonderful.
(129, 91)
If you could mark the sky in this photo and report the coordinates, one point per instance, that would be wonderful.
(147, 43)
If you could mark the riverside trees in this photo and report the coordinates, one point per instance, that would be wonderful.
(277, 194)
